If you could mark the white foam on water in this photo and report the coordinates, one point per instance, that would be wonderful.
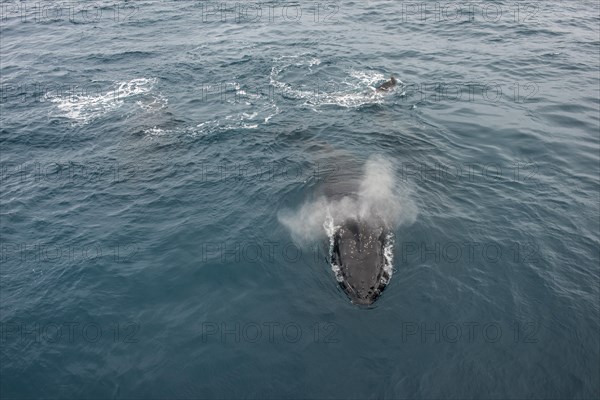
(388, 254)
(331, 229)
(355, 91)
(85, 107)
(368, 78)
(274, 113)
(155, 131)
(155, 103)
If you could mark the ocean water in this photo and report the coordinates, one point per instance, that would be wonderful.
(152, 153)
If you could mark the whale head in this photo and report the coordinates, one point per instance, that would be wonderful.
(359, 253)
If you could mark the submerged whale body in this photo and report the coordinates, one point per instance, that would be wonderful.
(359, 257)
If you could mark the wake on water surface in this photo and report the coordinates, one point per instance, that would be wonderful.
(297, 78)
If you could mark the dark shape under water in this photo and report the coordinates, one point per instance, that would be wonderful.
(359, 253)
(387, 85)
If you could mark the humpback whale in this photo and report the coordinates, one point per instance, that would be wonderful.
(358, 207)
(361, 238)
(387, 85)
(359, 259)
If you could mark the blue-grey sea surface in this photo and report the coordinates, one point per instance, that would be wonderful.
(158, 157)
